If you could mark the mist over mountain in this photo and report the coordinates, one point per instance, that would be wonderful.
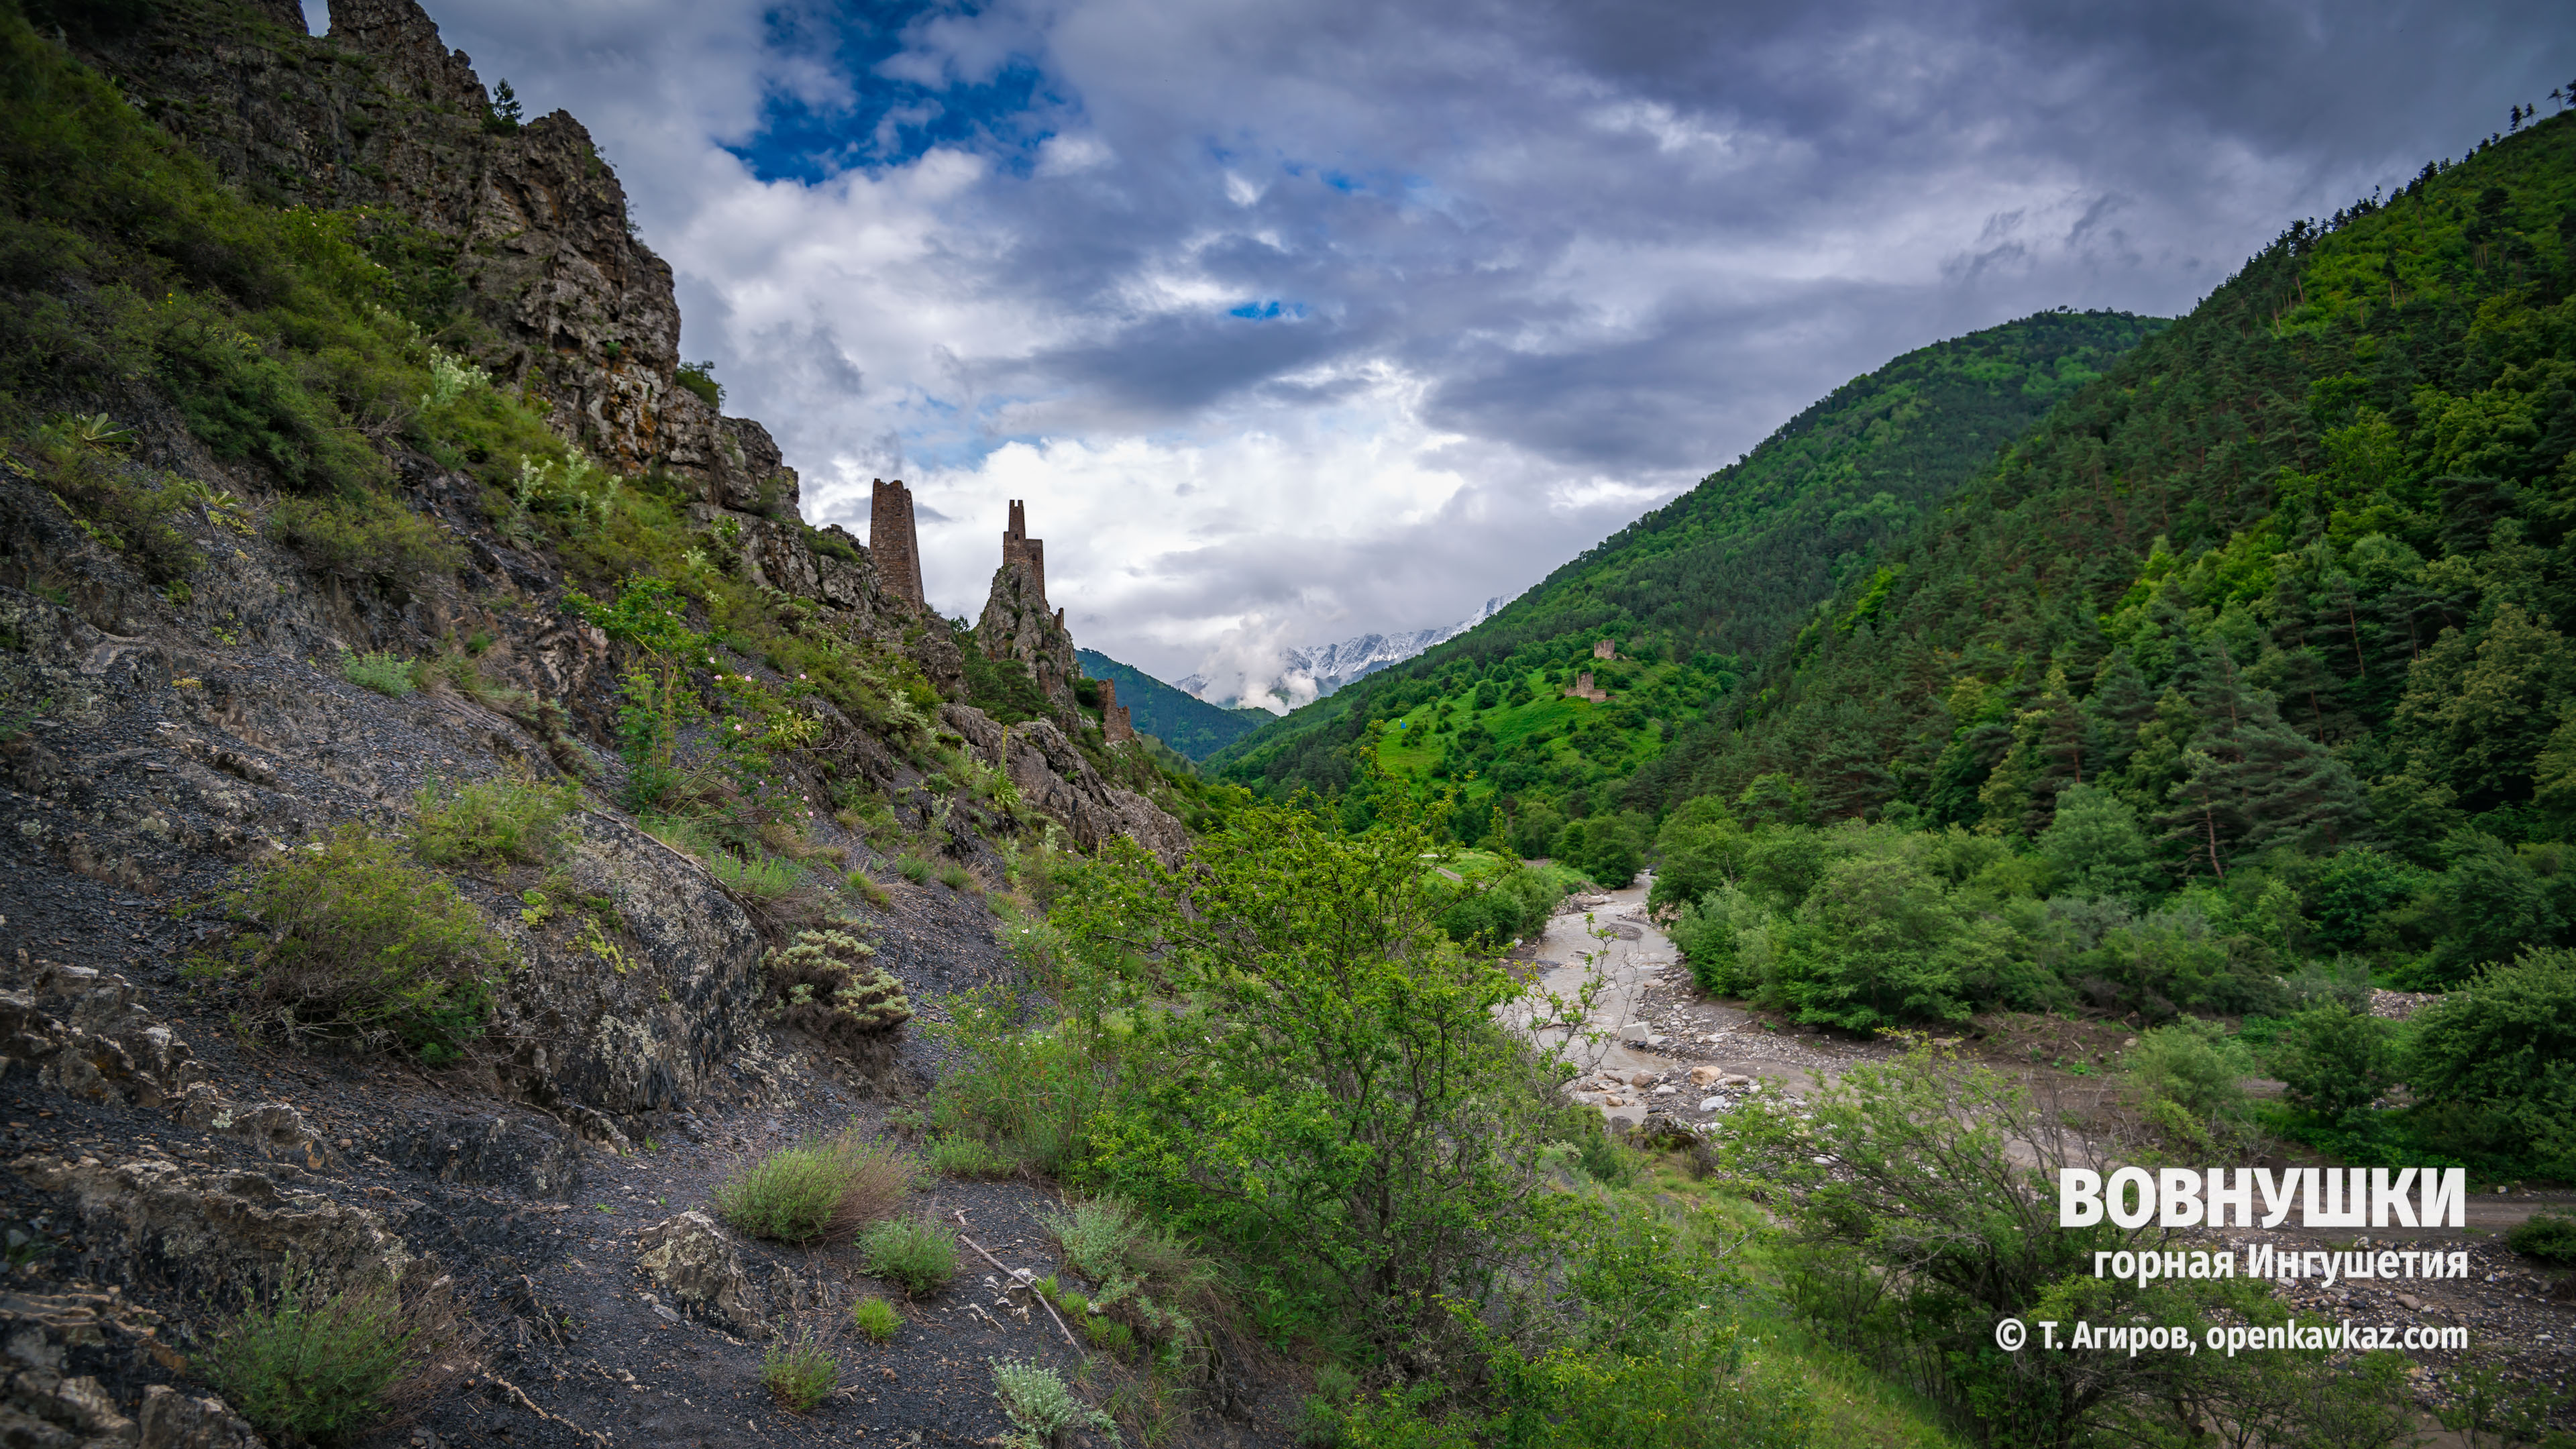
(1302, 676)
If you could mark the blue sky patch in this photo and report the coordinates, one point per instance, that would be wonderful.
(889, 122)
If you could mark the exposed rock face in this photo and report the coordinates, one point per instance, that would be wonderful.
(99, 1044)
(836, 572)
(160, 1220)
(1053, 777)
(659, 1022)
(47, 1399)
(173, 1420)
(1017, 624)
(381, 112)
(689, 1257)
(538, 1158)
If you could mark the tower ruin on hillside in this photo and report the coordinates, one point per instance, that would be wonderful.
(1605, 648)
(892, 541)
(1018, 547)
(1583, 689)
(1115, 725)
(1018, 623)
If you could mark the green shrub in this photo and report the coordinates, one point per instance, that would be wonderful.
(827, 982)
(876, 1318)
(1698, 849)
(819, 1190)
(700, 378)
(914, 869)
(1291, 953)
(497, 822)
(1713, 932)
(324, 1367)
(1031, 1093)
(1041, 1407)
(2096, 847)
(1108, 1334)
(390, 675)
(345, 937)
(2496, 1057)
(759, 875)
(372, 539)
(1879, 941)
(121, 507)
(955, 877)
(2551, 1236)
(799, 1375)
(959, 1155)
(913, 1252)
(1608, 848)
(2189, 1078)
(2335, 1060)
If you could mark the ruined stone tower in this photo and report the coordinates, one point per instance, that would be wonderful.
(1115, 726)
(891, 540)
(1018, 547)
(1019, 624)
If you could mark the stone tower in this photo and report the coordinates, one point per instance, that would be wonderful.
(1605, 648)
(1114, 723)
(1018, 547)
(1019, 624)
(891, 540)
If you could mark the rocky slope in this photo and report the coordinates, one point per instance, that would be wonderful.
(162, 740)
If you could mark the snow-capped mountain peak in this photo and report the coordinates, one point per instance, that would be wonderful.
(1307, 674)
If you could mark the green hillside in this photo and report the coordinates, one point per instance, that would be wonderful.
(1187, 723)
(1707, 583)
(2341, 488)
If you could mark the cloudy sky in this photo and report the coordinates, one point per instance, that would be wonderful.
(1297, 320)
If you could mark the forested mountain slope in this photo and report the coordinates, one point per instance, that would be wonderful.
(1728, 570)
(2294, 571)
(1188, 724)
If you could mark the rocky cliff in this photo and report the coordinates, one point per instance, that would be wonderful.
(214, 670)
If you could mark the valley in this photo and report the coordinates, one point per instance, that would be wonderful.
(510, 933)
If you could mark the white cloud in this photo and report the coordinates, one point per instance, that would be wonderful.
(1515, 269)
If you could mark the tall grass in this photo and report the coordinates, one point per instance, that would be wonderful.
(821, 1190)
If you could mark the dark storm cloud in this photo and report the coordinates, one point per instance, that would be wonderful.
(1574, 254)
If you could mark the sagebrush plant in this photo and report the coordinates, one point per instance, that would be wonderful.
(390, 675)
(820, 1190)
(876, 1318)
(913, 1252)
(800, 1374)
(1041, 1406)
(960, 1155)
(827, 982)
(346, 937)
(499, 821)
(326, 1366)
(1145, 1275)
